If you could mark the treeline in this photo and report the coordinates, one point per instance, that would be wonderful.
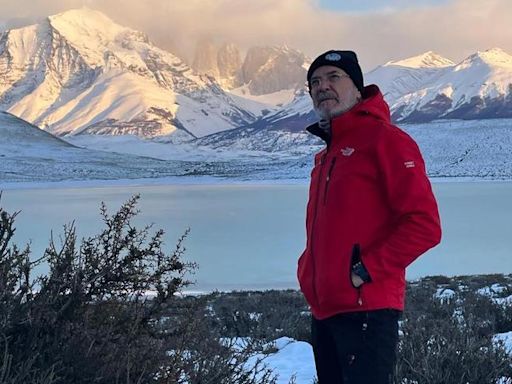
(109, 311)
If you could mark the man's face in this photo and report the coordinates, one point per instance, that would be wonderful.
(333, 91)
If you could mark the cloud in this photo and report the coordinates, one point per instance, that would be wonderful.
(454, 29)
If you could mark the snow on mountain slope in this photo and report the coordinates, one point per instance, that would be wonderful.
(280, 132)
(428, 59)
(301, 105)
(465, 148)
(478, 87)
(92, 34)
(398, 78)
(19, 137)
(429, 87)
(79, 71)
(451, 148)
(28, 153)
(273, 100)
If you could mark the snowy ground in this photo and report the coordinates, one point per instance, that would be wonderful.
(452, 150)
(295, 358)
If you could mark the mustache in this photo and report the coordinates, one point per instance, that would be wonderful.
(321, 96)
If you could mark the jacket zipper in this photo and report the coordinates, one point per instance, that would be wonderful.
(328, 179)
(322, 165)
(360, 295)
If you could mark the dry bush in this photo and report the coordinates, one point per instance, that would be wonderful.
(90, 319)
(450, 341)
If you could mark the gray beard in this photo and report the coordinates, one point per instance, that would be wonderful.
(322, 115)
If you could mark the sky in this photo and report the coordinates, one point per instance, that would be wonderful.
(377, 30)
(372, 5)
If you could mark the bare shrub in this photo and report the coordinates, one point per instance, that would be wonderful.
(107, 312)
(449, 342)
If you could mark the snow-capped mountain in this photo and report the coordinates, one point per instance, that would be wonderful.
(395, 78)
(79, 72)
(399, 78)
(427, 87)
(478, 87)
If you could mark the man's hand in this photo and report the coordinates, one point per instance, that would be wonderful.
(356, 280)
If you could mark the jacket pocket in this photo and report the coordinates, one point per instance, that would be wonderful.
(357, 265)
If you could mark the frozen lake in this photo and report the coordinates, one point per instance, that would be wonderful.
(250, 236)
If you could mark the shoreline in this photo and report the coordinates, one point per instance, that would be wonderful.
(194, 291)
(197, 180)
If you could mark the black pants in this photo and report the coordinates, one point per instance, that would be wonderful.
(356, 348)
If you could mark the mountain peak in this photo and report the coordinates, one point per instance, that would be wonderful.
(428, 59)
(493, 57)
(80, 25)
(97, 37)
(83, 15)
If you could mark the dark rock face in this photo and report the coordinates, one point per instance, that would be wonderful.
(270, 69)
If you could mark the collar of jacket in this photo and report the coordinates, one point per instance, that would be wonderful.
(373, 104)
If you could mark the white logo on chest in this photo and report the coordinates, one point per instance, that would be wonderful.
(347, 151)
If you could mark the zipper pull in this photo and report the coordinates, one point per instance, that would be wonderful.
(331, 166)
(359, 298)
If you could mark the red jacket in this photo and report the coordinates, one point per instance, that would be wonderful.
(369, 189)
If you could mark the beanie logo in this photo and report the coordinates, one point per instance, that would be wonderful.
(333, 56)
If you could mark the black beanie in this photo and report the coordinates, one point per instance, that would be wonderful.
(345, 60)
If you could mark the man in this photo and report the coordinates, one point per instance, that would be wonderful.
(371, 212)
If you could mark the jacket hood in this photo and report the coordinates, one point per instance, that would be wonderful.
(373, 104)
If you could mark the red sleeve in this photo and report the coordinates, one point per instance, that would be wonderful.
(416, 225)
